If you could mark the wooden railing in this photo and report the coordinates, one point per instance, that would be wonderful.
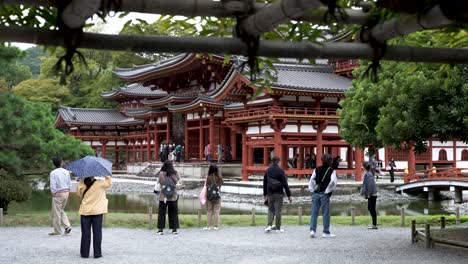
(266, 111)
(437, 174)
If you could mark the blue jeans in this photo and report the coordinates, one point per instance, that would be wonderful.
(320, 200)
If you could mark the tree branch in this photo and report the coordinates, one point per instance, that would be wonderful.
(406, 24)
(281, 49)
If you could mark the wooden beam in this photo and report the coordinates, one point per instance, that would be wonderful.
(234, 46)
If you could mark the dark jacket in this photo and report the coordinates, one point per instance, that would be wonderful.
(275, 172)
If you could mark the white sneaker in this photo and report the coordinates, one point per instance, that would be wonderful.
(328, 235)
(312, 234)
(267, 229)
(215, 228)
(279, 230)
(206, 228)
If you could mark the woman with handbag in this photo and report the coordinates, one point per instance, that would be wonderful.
(168, 179)
(93, 206)
(213, 184)
(369, 190)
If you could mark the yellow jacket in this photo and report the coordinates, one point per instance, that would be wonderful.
(95, 201)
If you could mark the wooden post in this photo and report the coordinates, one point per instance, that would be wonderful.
(428, 235)
(1, 216)
(299, 214)
(442, 222)
(150, 215)
(253, 216)
(353, 215)
(199, 218)
(413, 231)
(402, 213)
(457, 216)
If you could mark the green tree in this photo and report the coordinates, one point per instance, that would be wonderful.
(28, 140)
(408, 105)
(32, 59)
(10, 71)
(43, 90)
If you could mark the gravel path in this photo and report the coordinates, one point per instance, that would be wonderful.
(227, 245)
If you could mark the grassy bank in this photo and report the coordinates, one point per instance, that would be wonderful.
(139, 220)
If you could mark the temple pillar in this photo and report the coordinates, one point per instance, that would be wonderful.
(168, 128)
(126, 152)
(359, 157)
(186, 140)
(411, 160)
(201, 145)
(245, 176)
(103, 148)
(211, 140)
(458, 195)
(319, 127)
(349, 157)
(134, 151)
(300, 162)
(116, 160)
(266, 159)
(142, 154)
(148, 142)
(156, 144)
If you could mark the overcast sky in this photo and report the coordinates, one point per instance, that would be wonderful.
(113, 25)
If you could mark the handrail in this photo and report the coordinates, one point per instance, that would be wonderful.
(271, 110)
(437, 174)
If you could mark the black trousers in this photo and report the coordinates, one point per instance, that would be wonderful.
(173, 213)
(392, 175)
(88, 222)
(371, 204)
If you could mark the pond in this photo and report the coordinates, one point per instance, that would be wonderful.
(139, 202)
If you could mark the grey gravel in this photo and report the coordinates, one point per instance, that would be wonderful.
(352, 244)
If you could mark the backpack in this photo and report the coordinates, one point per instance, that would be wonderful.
(273, 184)
(213, 194)
(169, 187)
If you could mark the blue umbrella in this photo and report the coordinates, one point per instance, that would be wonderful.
(90, 166)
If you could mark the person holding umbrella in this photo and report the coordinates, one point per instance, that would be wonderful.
(93, 200)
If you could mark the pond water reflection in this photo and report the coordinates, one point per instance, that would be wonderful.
(139, 203)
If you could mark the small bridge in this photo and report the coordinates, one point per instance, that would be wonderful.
(435, 180)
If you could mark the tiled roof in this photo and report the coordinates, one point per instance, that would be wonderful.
(90, 116)
(305, 77)
(167, 98)
(142, 69)
(143, 111)
(135, 89)
(201, 98)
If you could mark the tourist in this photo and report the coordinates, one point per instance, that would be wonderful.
(220, 153)
(213, 183)
(369, 190)
(313, 161)
(178, 153)
(93, 206)
(166, 152)
(208, 153)
(228, 153)
(308, 162)
(170, 152)
(294, 161)
(60, 188)
(391, 169)
(162, 149)
(322, 184)
(274, 184)
(336, 162)
(182, 154)
(168, 179)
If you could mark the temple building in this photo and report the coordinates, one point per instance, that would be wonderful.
(200, 101)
